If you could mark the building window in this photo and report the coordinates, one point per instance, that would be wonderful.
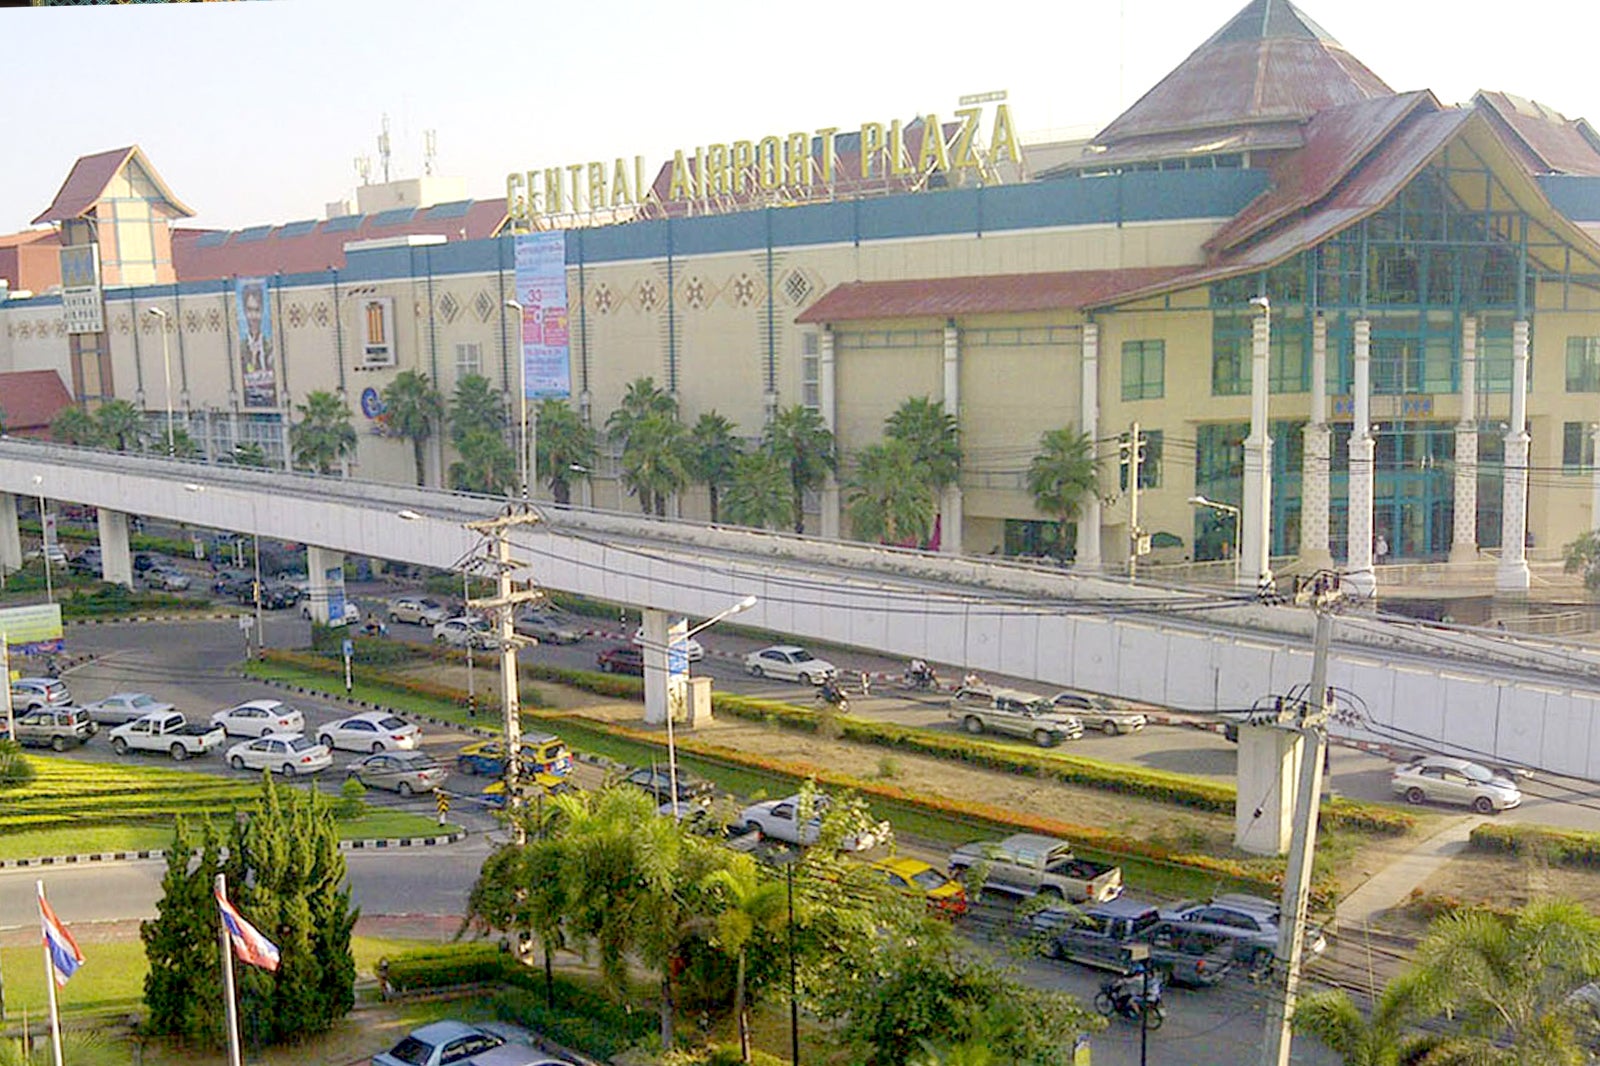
(1150, 463)
(810, 371)
(1577, 448)
(1144, 370)
(1583, 364)
(1030, 538)
(469, 360)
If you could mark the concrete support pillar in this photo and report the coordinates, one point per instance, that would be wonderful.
(116, 562)
(655, 666)
(1464, 533)
(1358, 562)
(1315, 492)
(1255, 522)
(1594, 477)
(325, 568)
(1088, 552)
(950, 503)
(1269, 767)
(10, 534)
(827, 399)
(1513, 575)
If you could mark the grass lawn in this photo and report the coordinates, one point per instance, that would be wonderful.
(395, 698)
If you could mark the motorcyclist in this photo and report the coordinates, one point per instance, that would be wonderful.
(1126, 990)
(830, 693)
(920, 675)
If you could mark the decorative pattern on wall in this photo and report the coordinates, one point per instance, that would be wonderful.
(483, 305)
(319, 314)
(602, 298)
(296, 315)
(649, 297)
(191, 322)
(449, 307)
(214, 319)
(742, 292)
(796, 287)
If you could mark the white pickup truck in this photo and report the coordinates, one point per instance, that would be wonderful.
(167, 732)
(781, 820)
(1027, 865)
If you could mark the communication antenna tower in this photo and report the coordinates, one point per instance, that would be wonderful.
(383, 148)
(430, 150)
(364, 169)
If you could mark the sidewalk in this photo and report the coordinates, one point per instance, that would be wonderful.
(1392, 885)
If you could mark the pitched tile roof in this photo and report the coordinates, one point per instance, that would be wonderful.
(30, 401)
(299, 247)
(988, 294)
(1546, 141)
(87, 181)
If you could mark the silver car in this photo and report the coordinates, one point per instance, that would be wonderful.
(1100, 712)
(546, 628)
(417, 610)
(1445, 779)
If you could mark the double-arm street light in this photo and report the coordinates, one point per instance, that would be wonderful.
(1229, 509)
(672, 748)
(166, 371)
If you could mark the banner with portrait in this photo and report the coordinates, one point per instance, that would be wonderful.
(258, 355)
(541, 282)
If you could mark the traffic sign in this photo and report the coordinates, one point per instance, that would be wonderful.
(441, 800)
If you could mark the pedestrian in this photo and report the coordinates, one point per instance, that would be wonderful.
(866, 684)
(1380, 549)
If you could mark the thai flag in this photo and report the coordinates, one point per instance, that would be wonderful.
(249, 946)
(65, 958)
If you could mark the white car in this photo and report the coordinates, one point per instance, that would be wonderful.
(125, 707)
(780, 820)
(258, 718)
(370, 731)
(696, 652)
(1443, 779)
(789, 663)
(464, 631)
(288, 754)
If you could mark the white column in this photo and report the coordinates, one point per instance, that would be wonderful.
(1088, 551)
(1358, 561)
(1255, 533)
(1464, 532)
(1513, 574)
(10, 534)
(1314, 490)
(950, 504)
(1269, 766)
(655, 666)
(827, 398)
(319, 561)
(116, 563)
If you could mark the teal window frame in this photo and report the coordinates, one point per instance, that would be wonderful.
(1144, 370)
(1583, 364)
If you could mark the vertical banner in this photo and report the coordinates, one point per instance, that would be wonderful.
(258, 364)
(80, 289)
(377, 332)
(333, 576)
(542, 291)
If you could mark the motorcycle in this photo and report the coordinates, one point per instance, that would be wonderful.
(1125, 996)
(920, 678)
(831, 696)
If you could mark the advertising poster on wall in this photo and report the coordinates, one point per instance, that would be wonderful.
(80, 289)
(542, 291)
(258, 359)
(333, 577)
(32, 630)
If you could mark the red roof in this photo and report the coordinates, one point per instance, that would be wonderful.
(86, 185)
(1544, 140)
(30, 401)
(987, 294)
(1337, 141)
(306, 248)
(1269, 64)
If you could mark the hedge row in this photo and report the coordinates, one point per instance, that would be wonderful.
(332, 665)
(1564, 847)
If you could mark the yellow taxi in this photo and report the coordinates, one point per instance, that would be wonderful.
(917, 877)
(542, 753)
(494, 795)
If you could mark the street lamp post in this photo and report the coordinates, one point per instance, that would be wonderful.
(1229, 509)
(672, 747)
(528, 439)
(166, 372)
(1140, 953)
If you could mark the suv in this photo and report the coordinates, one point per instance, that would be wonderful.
(417, 610)
(31, 693)
(56, 728)
(1251, 922)
(621, 659)
(87, 562)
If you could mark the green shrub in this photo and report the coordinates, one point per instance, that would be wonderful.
(1563, 847)
(352, 801)
(445, 966)
(15, 768)
(582, 1019)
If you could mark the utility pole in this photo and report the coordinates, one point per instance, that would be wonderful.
(1135, 464)
(504, 603)
(1308, 717)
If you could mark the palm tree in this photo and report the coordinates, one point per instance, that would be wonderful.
(1508, 981)
(653, 460)
(758, 495)
(754, 905)
(640, 400)
(934, 436)
(889, 499)
(712, 456)
(1062, 476)
(566, 447)
(475, 404)
(184, 446)
(75, 426)
(1383, 1038)
(249, 453)
(486, 464)
(324, 436)
(798, 437)
(121, 425)
(413, 407)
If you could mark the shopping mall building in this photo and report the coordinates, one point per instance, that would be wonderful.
(1267, 251)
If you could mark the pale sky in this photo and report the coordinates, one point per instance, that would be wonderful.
(254, 112)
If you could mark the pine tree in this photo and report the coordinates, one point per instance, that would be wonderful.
(180, 989)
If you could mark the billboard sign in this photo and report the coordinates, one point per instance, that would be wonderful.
(258, 360)
(542, 291)
(333, 576)
(80, 289)
(377, 333)
(34, 630)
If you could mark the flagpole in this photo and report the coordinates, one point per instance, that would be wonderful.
(227, 977)
(50, 983)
